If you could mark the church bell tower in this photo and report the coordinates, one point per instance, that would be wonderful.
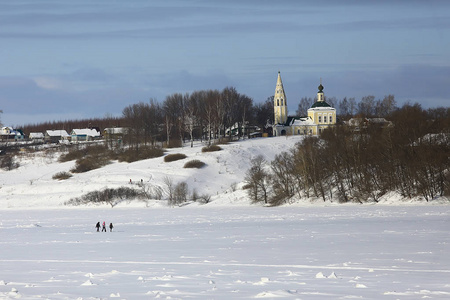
(279, 103)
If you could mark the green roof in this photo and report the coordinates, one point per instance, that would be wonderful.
(320, 104)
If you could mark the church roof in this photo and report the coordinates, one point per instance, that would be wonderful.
(298, 121)
(320, 104)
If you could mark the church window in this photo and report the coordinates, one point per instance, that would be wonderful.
(281, 102)
(331, 119)
(324, 119)
(320, 119)
(278, 102)
(298, 131)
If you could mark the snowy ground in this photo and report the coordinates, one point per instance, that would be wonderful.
(31, 185)
(227, 249)
(334, 252)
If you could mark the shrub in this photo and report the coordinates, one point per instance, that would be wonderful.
(174, 157)
(194, 164)
(71, 155)
(62, 176)
(96, 150)
(211, 148)
(247, 186)
(204, 199)
(8, 162)
(89, 163)
(175, 143)
(131, 155)
(180, 193)
(108, 195)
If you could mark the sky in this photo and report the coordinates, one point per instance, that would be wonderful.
(66, 60)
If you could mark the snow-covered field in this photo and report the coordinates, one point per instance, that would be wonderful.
(226, 249)
(335, 252)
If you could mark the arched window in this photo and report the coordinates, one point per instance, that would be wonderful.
(281, 102)
(278, 102)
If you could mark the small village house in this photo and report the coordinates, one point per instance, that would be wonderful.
(55, 136)
(83, 135)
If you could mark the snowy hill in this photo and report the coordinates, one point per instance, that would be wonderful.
(31, 185)
(222, 178)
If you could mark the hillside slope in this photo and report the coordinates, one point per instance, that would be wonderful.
(31, 185)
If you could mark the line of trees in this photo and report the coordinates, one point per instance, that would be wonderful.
(411, 158)
(202, 115)
(346, 108)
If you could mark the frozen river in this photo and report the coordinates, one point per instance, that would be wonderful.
(336, 252)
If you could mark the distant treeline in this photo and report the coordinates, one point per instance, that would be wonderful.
(412, 157)
(210, 114)
(202, 114)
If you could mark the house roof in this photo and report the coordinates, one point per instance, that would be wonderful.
(298, 121)
(86, 131)
(62, 133)
(36, 135)
(304, 121)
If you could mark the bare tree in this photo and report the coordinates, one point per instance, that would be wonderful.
(258, 180)
(263, 113)
(230, 100)
(174, 115)
(169, 189)
(133, 116)
(303, 106)
(385, 107)
(283, 169)
(245, 107)
(192, 115)
(366, 107)
(180, 193)
(211, 116)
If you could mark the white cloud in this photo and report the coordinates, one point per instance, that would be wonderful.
(48, 83)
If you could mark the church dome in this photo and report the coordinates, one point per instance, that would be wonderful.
(320, 88)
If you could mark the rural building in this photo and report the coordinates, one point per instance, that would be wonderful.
(36, 136)
(55, 136)
(82, 135)
(320, 116)
(11, 134)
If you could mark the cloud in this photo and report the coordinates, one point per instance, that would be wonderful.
(426, 84)
(48, 83)
(185, 81)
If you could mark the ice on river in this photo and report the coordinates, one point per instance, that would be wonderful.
(338, 252)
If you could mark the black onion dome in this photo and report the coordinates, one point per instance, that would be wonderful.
(320, 88)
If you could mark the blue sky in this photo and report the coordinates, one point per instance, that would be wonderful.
(82, 59)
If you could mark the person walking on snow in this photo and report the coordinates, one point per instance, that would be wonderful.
(110, 227)
(104, 227)
(98, 226)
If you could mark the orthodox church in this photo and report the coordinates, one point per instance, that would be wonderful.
(320, 116)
